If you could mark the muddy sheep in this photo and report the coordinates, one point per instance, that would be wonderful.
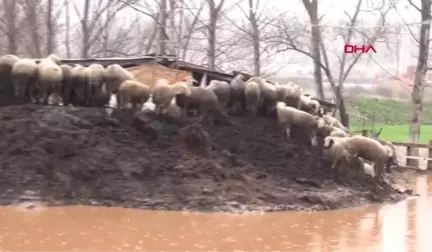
(6, 63)
(205, 102)
(364, 147)
(268, 95)
(222, 91)
(49, 80)
(252, 94)
(163, 93)
(288, 116)
(24, 74)
(134, 92)
(96, 79)
(79, 85)
(66, 83)
(237, 100)
(116, 75)
(310, 105)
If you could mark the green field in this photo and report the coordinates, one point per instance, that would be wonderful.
(393, 116)
(398, 133)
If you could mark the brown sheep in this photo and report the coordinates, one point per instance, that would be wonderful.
(79, 84)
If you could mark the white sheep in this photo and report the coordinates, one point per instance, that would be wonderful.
(330, 120)
(163, 93)
(252, 94)
(364, 147)
(237, 98)
(96, 80)
(289, 116)
(50, 78)
(310, 105)
(116, 75)
(79, 84)
(268, 94)
(24, 74)
(134, 92)
(66, 83)
(292, 95)
(6, 82)
(222, 91)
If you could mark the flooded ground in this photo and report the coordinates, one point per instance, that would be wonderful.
(404, 226)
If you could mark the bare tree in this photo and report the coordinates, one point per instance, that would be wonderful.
(32, 10)
(312, 10)
(286, 39)
(50, 29)
(214, 14)
(8, 24)
(91, 17)
(67, 31)
(421, 69)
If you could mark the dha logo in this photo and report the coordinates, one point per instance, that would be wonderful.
(354, 49)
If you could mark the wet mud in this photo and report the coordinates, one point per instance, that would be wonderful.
(67, 155)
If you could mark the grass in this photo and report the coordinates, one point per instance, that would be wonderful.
(397, 133)
(391, 115)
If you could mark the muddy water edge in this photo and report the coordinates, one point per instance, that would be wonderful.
(404, 226)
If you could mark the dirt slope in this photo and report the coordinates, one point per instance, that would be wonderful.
(78, 155)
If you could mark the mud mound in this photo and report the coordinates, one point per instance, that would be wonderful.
(78, 155)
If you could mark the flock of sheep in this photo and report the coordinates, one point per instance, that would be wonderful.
(36, 82)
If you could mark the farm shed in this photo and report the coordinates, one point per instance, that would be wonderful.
(200, 73)
(149, 73)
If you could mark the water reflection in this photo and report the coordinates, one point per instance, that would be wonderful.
(401, 227)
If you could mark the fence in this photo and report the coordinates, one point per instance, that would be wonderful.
(421, 162)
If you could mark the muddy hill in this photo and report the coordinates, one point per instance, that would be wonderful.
(67, 155)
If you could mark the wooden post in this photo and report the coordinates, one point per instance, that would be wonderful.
(429, 162)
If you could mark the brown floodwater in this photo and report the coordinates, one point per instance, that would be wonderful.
(405, 226)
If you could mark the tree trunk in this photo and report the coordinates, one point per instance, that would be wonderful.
(211, 51)
(162, 26)
(50, 30)
(255, 39)
(419, 79)
(67, 32)
(85, 30)
(312, 9)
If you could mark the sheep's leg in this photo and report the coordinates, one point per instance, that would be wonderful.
(314, 141)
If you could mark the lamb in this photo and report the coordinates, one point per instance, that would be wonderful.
(203, 100)
(96, 79)
(24, 74)
(163, 93)
(134, 92)
(252, 94)
(222, 91)
(80, 76)
(334, 152)
(66, 83)
(289, 116)
(49, 80)
(325, 130)
(310, 105)
(237, 100)
(364, 147)
(116, 75)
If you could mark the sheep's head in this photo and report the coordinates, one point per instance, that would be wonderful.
(328, 142)
(240, 77)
